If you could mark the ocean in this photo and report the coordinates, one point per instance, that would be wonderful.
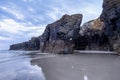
(16, 65)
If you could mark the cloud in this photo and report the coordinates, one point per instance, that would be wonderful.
(31, 10)
(55, 13)
(11, 26)
(90, 9)
(27, 0)
(13, 10)
(5, 38)
(12, 32)
(37, 31)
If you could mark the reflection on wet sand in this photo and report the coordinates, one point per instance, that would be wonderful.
(80, 67)
(38, 66)
(19, 68)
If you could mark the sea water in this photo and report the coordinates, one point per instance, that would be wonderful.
(16, 65)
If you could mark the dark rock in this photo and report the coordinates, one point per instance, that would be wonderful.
(59, 36)
(65, 35)
(81, 42)
(33, 44)
(19, 46)
(93, 36)
(111, 17)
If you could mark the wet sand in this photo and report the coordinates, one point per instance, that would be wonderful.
(16, 65)
(80, 67)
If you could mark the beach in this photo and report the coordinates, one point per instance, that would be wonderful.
(33, 65)
(80, 67)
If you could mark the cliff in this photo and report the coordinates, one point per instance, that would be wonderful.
(65, 35)
(33, 44)
(111, 17)
(92, 37)
(58, 37)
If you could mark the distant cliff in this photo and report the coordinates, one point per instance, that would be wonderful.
(33, 44)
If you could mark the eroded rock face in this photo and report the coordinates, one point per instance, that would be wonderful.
(111, 18)
(63, 36)
(93, 36)
(19, 46)
(59, 36)
(33, 44)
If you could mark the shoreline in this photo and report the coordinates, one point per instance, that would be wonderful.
(80, 66)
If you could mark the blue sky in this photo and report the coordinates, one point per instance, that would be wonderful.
(22, 19)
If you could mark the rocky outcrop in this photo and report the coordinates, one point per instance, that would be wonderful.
(92, 37)
(59, 36)
(111, 17)
(95, 25)
(65, 35)
(19, 46)
(33, 44)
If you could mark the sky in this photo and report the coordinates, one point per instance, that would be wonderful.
(22, 19)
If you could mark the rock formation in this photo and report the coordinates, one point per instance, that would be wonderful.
(33, 44)
(65, 35)
(19, 46)
(111, 17)
(59, 36)
(92, 37)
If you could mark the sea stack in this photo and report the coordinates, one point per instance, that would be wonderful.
(59, 36)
